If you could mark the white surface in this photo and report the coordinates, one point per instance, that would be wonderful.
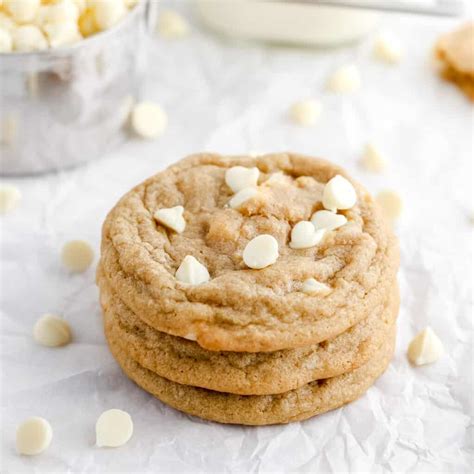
(234, 98)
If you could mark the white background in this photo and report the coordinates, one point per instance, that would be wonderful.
(233, 98)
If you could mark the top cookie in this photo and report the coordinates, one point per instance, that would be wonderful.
(231, 306)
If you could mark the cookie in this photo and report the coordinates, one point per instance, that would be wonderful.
(309, 400)
(456, 53)
(239, 308)
(185, 362)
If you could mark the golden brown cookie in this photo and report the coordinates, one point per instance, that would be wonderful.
(456, 52)
(309, 400)
(185, 362)
(241, 309)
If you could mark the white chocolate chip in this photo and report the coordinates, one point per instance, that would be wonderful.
(171, 218)
(191, 336)
(391, 203)
(425, 348)
(28, 38)
(277, 178)
(113, 428)
(22, 11)
(63, 11)
(51, 331)
(261, 252)
(77, 255)
(6, 22)
(62, 33)
(192, 272)
(345, 79)
(239, 177)
(304, 235)
(6, 42)
(328, 220)
(172, 25)
(107, 12)
(372, 160)
(306, 112)
(339, 194)
(387, 48)
(243, 195)
(312, 286)
(148, 120)
(10, 197)
(33, 436)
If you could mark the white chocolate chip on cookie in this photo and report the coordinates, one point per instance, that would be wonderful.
(391, 203)
(304, 235)
(387, 48)
(33, 436)
(312, 286)
(339, 194)
(372, 160)
(171, 218)
(113, 428)
(171, 25)
(243, 195)
(10, 197)
(261, 252)
(345, 80)
(77, 255)
(192, 272)
(328, 220)
(239, 177)
(148, 120)
(51, 331)
(425, 348)
(306, 112)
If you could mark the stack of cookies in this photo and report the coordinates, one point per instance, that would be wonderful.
(250, 290)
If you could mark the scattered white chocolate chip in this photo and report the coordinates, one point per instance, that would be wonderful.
(328, 220)
(277, 178)
(33, 436)
(239, 177)
(171, 218)
(113, 428)
(6, 42)
(77, 255)
(345, 79)
(148, 120)
(192, 272)
(22, 11)
(261, 252)
(304, 235)
(171, 25)
(391, 203)
(107, 12)
(240, 197)
(28, 38)
(372, 160)
(312, 286)
(10, 197)
(387, 48)
(425, 348)
(306, 112)
(339, 194)
(51, 331)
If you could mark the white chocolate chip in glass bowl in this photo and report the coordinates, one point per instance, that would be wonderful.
(113, 428)
(372, 160)
(62, 33)
(425, 348)
(33, 436)
(192, 272)
(387, 48)
(6, 22)
(77, 255)
(107, 13)
(148, 120)
(10, 198)
(391, 203)
(171, 25)
(312, 286)
(6, 42)
(306, 112)
(62, 11)
(28, 38)
(328, 220)
(171, 218)
(339, 194)
(345, 79)
(261, 252)
(241, 196)
(22, 11)
(239, 177)
(51, 331)
(304, 235)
